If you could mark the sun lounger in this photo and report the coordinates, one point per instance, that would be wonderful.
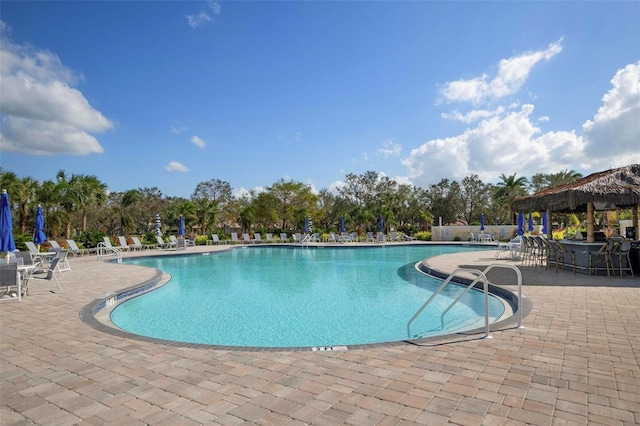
(165, 245)
(284, 237)
(234, 238)
(75, 250)
(123, 243)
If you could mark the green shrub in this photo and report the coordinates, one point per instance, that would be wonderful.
(201, 240)
(423, 236)
(90, 239)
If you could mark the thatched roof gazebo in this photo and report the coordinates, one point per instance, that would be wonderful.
(609, 190)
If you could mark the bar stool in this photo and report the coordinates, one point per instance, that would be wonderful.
(603, 252)
(622, 249)
(562, 254)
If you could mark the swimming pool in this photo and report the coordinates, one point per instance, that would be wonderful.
(299, 297)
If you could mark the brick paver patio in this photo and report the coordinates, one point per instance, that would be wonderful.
(575, 362)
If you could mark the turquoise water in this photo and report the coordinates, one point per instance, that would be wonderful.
(295, 297)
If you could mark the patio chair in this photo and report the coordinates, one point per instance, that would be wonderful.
(234, 238)
(380, 237)
(369, 237)
(562, 256)
(284, 237)
(50, 274)
(247, 239)
(137, 244)
(215, 239)
(63, 263)
(257, 238)
(269, 238)
(9, 277)
(38, 257)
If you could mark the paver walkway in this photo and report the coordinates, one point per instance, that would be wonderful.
(575, 362)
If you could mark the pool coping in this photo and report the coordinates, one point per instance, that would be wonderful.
(96, 313)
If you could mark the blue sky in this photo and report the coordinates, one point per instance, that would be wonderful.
(170, 94)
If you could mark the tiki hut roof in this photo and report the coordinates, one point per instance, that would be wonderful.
(608, 190)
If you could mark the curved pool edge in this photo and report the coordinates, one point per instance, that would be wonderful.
(96, 314)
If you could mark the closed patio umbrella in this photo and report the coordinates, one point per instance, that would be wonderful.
(158, 226)
(342, 228)
(520, 224)
(380, 224)
(38, 235)
(7, 244)
(530, 227)
(304, 225)
(545, 224)
(181, 225)
(482, 222)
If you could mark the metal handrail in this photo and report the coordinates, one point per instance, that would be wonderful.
(519, 275)
(104, 250)
(480, 276)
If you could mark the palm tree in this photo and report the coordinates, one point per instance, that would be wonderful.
(510, 188)
(128, 199)
(88, 191)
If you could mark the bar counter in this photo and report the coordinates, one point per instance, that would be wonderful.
(583, 250)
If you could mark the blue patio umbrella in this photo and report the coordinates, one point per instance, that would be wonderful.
(304, 225)
(545, 224)
(181, 225)
(342, 228)
(530, 227)
(482, 222)
(520, 224)
(7, 244)
(380, 224)
(38, 235)
(158, 226)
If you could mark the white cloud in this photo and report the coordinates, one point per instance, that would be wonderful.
(543, 119)
(509, 143)
(389, 149)
(175, 166)
(512, 74)
(198, 142)
(195, 21)
(365, 156)
(614, 132)
(472, 116)
(42, 113)
(177, 129)
(241, 193)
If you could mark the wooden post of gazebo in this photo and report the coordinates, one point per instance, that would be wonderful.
(549, 225)
(634, 220)
(590, 209)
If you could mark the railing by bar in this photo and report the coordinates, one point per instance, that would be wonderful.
(103, 250)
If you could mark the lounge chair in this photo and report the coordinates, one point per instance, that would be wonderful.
(178, 243)
(75, 250)
(247, 239)
(123, 243)
(54, 245)
(234, 238)
(369, 237)
(345, 237)
(137, 244)
(269, 238)
(165, 246)
(380, 237)
(257, 238)
(284, 237)
(215, 239)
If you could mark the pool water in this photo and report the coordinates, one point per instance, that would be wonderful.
(299, 297)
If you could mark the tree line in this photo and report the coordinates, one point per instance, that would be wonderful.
(78, 204)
